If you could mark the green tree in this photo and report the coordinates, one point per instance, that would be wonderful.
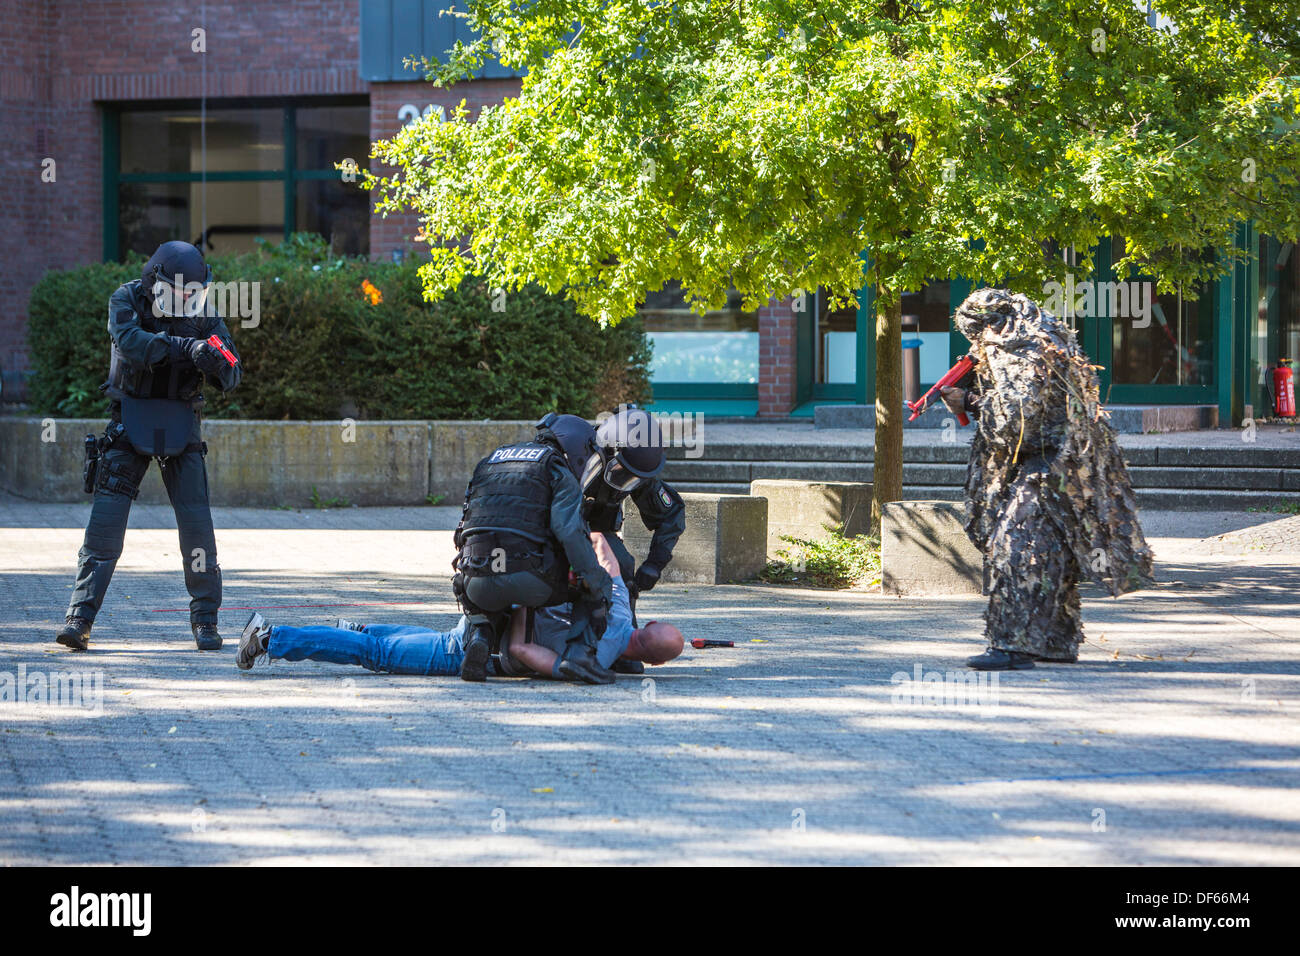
(763, 145)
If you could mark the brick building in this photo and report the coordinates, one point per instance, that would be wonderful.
(126, 123)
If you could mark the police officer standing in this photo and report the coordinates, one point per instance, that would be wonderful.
(631, 456)
(160, 325)
(519, 534)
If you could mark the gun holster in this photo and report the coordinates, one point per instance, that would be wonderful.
(94, 472)
(90, 465)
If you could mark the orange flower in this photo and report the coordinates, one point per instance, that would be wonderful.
(372, 293)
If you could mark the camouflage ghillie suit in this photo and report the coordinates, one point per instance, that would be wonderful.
(1047, 492)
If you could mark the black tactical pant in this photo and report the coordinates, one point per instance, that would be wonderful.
(493, 594)
(186, 480)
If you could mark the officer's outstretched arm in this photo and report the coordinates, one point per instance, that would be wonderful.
(664, 513)
(571, 531)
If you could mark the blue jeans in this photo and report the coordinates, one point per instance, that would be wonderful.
(383, 648)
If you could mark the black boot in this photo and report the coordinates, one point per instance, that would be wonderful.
(996, 659)
(625, 666)
(75, 634)
(206, 637)
(478, 651)
(252, 642)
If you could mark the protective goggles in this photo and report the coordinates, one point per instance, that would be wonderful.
(174, 301)
(619, 477)
(614, 472)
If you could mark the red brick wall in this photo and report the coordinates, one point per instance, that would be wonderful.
(26, 129)
(59, 57)
(395, 231)
(776, 358)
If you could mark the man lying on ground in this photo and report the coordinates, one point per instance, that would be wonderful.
(536, 642)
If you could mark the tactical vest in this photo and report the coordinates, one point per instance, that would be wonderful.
(175, 380)
(511, 492)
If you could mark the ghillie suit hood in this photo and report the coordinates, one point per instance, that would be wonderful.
(1039, 398)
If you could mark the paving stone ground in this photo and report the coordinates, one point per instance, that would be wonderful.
(1178, 730)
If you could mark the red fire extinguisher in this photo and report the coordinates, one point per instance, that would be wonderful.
(1283, 389)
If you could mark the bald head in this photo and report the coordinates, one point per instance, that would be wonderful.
(656, 643)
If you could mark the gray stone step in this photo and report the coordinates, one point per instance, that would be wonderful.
(1127, 419)
(917, 492)
(1244, 479)
(1154, 499)
(938, 451)
(679, 472)
(941, 474)
(1245, 455)
(1198, 499)
(936, 415)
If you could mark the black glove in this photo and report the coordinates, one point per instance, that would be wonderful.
(647, 576)
(179, 347)
(205, 357)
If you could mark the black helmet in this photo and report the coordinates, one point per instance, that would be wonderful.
(576, 438)
(634, 447)
(177, 279)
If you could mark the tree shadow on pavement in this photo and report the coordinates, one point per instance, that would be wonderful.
(805, 743)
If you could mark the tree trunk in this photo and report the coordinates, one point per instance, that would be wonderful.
(887, 483)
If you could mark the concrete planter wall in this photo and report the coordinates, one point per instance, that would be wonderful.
(274, 463)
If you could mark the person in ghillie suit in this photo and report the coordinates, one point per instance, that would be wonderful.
(1048, 495)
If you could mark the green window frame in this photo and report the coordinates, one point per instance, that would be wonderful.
(288, 174)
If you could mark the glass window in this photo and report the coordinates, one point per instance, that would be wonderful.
(338, 211)
(717, 347)
(927, 315)
(1280, 277)
(171, 141)
(1171, 342)
(150, 214)
(1073, 277)
(835, 341)
(164, 153)
(327, 135)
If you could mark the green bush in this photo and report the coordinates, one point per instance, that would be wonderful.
(831, 562)
(322, 350)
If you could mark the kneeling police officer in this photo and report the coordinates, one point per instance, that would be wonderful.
(160, 325)
(520, 533)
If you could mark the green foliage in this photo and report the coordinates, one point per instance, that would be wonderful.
(831, 562)
(66, 329)
(320, 503)
(1286, 508)
(764, 145)
(321, 349)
